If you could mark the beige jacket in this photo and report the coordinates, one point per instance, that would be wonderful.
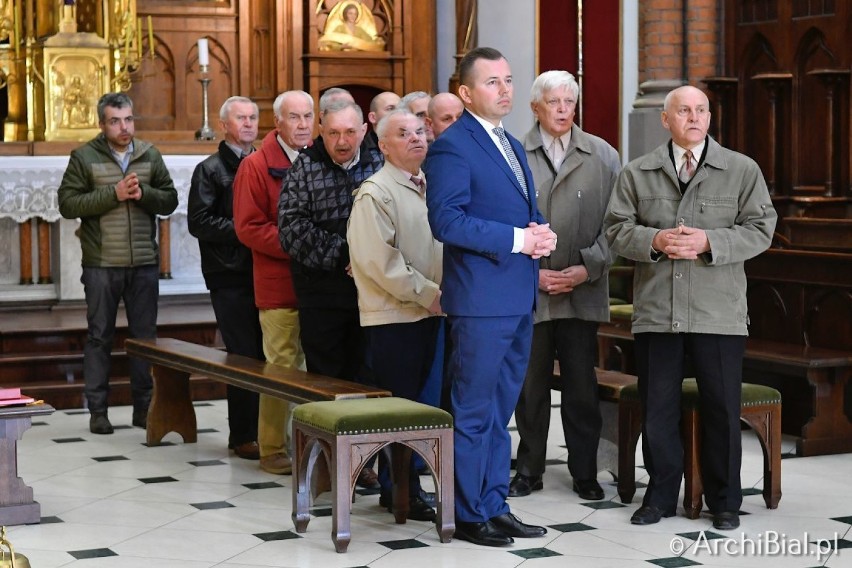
(396, 262)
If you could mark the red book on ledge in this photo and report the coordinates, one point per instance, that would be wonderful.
(11, 396)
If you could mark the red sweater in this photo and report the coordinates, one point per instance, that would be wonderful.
(256, 191)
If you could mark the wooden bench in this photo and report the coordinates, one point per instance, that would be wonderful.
(173, 360)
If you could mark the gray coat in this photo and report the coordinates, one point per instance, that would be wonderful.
(727, 198)
(574, 201)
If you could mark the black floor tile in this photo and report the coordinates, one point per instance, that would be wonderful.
(92, 553)
(110, 458)
(673, 562)
(571, 527)
(68, 440)
(164, 479)
(262, 485)
(402, 544)
(204, 463)
(278, 535)
(530, 553)
(212, 505)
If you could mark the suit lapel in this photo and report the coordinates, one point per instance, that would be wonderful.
(489, 147)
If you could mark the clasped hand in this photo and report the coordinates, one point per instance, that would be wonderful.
(539, 240)
(561, 281)
(681, 242)
(128, 188)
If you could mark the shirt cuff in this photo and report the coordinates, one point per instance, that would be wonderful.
(518, 243)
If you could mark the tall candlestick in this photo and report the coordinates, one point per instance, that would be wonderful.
(151, 47)
(203, 53)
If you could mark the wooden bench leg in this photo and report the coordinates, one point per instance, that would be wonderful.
(171, 407)
(766, 423)
(629, 428)
(693, 488)
(828, 431)
(445, 472)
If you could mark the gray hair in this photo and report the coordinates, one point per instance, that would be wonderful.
(553, 80)
(337, 106)
(283, 97)
(225, 109)
(332, 95)
(405, 102)
(114, 100)
(382, 126)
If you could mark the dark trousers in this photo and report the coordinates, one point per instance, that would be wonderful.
(333, 342)
(104, 288)
(400, 357)
(717, 364)
(574, 342)
(239, 324)
(487, 367)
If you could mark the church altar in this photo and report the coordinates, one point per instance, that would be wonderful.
(28, 186)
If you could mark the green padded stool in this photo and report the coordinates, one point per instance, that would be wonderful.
(348, 433)
(761, 410)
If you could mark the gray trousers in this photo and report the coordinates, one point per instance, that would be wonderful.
(104, 288)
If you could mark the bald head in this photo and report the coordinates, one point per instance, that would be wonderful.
(444, 109)
(381, 105)
(686, 115)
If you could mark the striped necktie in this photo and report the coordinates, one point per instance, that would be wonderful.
(687, 170)
(513, 160)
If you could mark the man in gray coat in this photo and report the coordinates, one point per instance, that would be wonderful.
(690, 213)
(574, 173)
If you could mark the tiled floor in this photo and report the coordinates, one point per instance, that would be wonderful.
(110, 501)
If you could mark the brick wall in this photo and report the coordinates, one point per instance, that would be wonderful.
(662, 30)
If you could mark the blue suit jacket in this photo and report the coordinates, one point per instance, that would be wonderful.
(475, 202)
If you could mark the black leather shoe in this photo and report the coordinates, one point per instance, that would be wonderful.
(648, 515)
(418, 508)
(522, 485)
(428, 497)
(483, 534)
(100, 424)
(140, 418)
(588, 489)
(726, 521)
(512, 526)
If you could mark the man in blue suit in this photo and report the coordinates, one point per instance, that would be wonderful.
(482, 206)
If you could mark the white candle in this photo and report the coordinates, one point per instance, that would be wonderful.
(203, 54)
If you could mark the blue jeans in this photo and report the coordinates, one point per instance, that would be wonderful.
(139, 287)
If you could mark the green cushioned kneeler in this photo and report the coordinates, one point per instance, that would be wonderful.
(752, 395)
(371, 416)
(621, 311)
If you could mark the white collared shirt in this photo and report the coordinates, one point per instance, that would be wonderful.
(547, 141)
(292, 153)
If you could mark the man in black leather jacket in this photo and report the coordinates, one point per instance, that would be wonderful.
(226, 263)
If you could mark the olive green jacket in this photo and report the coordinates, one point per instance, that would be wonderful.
(727, 198)
(116, 233)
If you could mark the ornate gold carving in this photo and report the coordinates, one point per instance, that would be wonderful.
(75, 78)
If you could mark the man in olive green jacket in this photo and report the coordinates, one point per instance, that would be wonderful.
(690, 214)
(117, 186)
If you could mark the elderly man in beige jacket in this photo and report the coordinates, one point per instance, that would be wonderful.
(396, 264)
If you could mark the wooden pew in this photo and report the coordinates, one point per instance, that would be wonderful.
(818, 234)
(174, 360)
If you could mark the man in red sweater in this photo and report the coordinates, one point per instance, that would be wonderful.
(256, 190)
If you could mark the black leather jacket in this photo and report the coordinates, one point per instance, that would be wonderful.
(225, 262)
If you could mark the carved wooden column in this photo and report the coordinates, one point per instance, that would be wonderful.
(831, 79)
(165, 249)
(722, 89)
(774, 83)
(466, 35)
(25, 230)
(44, 276)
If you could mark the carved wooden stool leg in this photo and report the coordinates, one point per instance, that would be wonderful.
(693, 488)
(342, 478)
(444, 471)
(301, 463)
(400, 465)
(629, 428)
(765, 420)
